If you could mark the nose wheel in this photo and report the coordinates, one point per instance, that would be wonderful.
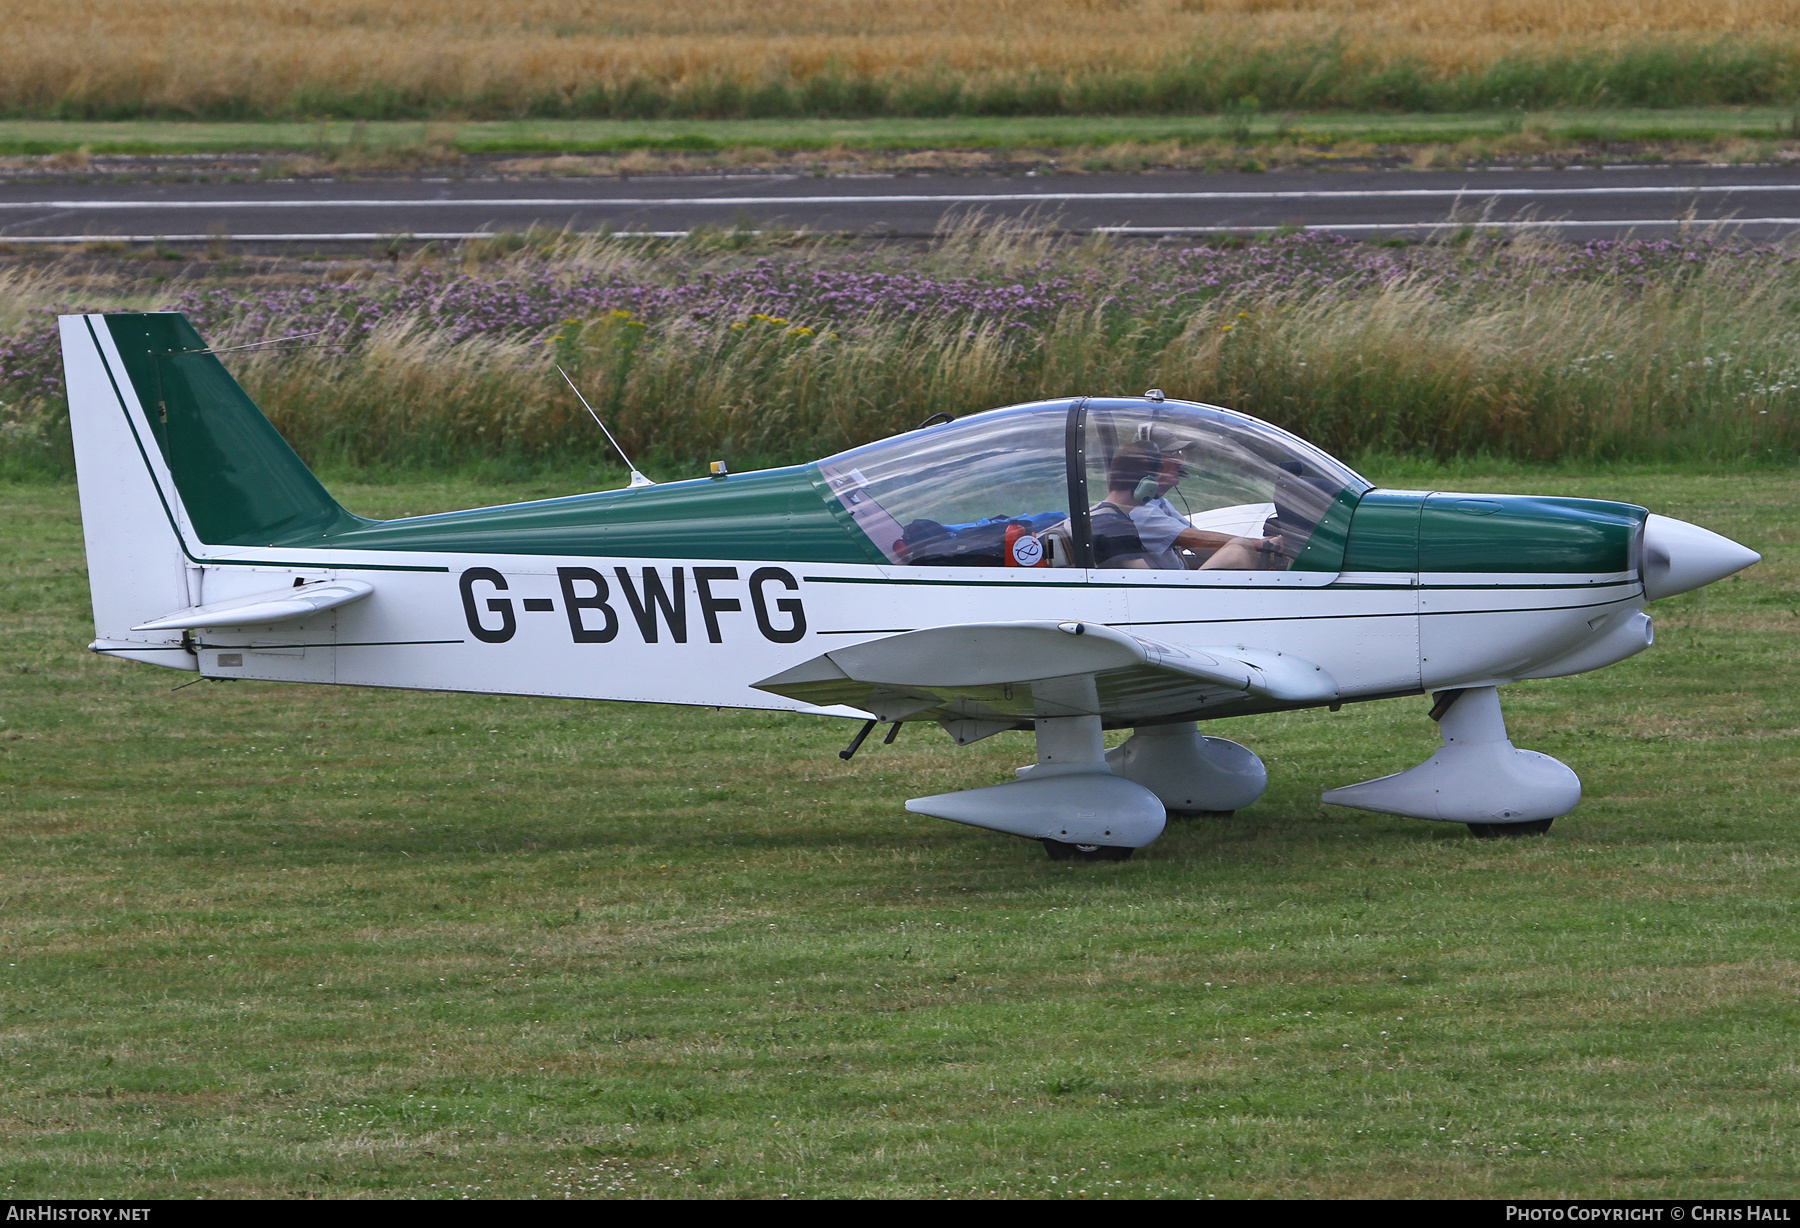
(1061, 851)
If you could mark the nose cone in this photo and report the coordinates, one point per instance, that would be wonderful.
(1679, 556)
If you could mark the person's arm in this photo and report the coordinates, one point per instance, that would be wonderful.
(1244, 553)
(1199, 540)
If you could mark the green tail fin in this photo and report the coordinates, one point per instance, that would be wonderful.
(239, 481)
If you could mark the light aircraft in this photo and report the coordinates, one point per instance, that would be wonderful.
(1067, 566)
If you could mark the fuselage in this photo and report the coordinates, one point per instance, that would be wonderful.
(693, 592)
(1436, 591)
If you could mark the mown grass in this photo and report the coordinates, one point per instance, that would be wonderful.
(347, 140)
(267, 940)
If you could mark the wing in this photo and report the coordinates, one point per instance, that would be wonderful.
(980, 678)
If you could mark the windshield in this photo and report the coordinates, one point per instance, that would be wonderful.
(1175, 486)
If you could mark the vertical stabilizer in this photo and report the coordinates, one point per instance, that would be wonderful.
(236, 478)
(137, 569)
(173, 458)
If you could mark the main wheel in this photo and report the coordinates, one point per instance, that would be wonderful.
(1061, 851)
(1503, 831)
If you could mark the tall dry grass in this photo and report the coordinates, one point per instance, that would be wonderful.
(412, 398)
(1518, 348)
(1702, 365)
(248, 58)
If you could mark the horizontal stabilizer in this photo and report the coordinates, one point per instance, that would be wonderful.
(986, 671)
(281, 605)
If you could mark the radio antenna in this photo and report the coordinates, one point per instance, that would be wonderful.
(637, 479)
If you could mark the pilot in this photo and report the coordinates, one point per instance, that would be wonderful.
(1136, 525)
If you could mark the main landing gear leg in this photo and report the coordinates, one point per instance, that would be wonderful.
(1478, 777)
(1069, 799)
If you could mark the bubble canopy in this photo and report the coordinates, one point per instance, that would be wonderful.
(1108, 483)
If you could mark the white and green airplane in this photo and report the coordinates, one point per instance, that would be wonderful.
(1067, 566)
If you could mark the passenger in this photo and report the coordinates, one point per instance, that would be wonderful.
(1137, 480)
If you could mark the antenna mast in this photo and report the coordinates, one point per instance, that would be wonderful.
(637, 479)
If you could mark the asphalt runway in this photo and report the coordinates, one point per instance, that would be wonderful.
(1761, 202)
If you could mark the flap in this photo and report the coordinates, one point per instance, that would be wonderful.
(262, 609)
(994, 672)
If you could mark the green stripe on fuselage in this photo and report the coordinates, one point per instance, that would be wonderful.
(774, 514)
(1527, 533)
(1410, 531)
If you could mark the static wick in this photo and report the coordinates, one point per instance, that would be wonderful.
(637, 479)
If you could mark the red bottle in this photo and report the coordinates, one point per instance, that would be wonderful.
(1024, 548)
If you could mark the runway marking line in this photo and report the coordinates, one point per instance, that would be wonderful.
(372, 235)
(639, 202)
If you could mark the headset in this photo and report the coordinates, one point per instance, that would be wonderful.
(1150, 485)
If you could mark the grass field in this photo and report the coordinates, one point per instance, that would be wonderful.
(267, 940)
(450, 139)
(104, 59)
